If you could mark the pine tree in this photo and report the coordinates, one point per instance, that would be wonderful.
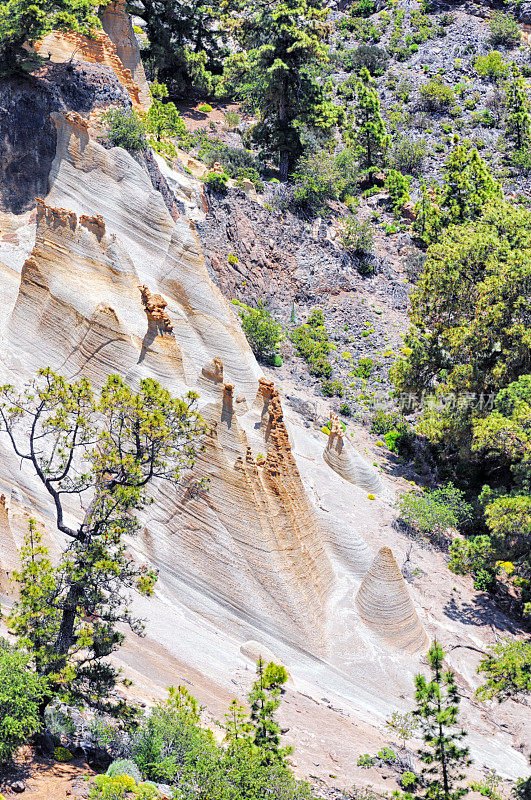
(282, 45)
(518, 118)
(103, 452)
(187, 41)
(34, 618)
(468, 186)
(264, 700)
(370, 136)
(237, 726)
(163, 119)
(437, 711)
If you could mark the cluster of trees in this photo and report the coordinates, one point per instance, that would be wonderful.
(95, 455)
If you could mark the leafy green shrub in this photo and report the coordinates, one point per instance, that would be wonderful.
(232, 119)
(374, 58)
(408, 780)
(437, 95)
(331, 388)
(398, 187)
(236, 162)
(124, 766)
(383, 422)
(474, 555)
(357, 236)
(125, 130)
(312, 343)
(21, 692)
(217, 182)
(493, 65)
(163, 119)
(232, 259)
(362, 8)
(521, 160)
(408, 154)
(169, 741)
(507, 669)
(262, 332)
(365, 760)
(504, 30)
(392, 439)
(204, 108)
(432, 511)
(344, 409)
(119, 787)
(62, 754)
(387, 755)
(320, 176)
(364, 369)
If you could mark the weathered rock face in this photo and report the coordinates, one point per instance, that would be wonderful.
(119, 28)
(27, 133)
(67, 46)
(80, 289)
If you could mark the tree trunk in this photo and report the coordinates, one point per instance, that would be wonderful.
(284, 165)
(65, 636)
(284, 154)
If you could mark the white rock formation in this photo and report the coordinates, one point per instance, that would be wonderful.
(277, 548)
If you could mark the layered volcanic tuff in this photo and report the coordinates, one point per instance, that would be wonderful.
(105, 274)
(343, 459)
(384, 604)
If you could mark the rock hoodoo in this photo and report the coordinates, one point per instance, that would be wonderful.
(343, 459)
(385, 606)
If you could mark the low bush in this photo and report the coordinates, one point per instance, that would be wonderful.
(126, 130)
(332, 388)
(437, 95)
(262, 332)
(217, 182)
(232, 119)
(365, 760)
(407, 154)
(374, 58)
(433, 511)
(124, 766)
(364, 369)
(362, 8)
(21, 692)
(356, 236)
(312, 343)
(521, 160)
(397, 186)
(504, 30)
(408, 780)
(237, 163)
(62, 754)
(387, 755)
(321, 176)
(493, 66)
(204, 108)
(119, 787)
